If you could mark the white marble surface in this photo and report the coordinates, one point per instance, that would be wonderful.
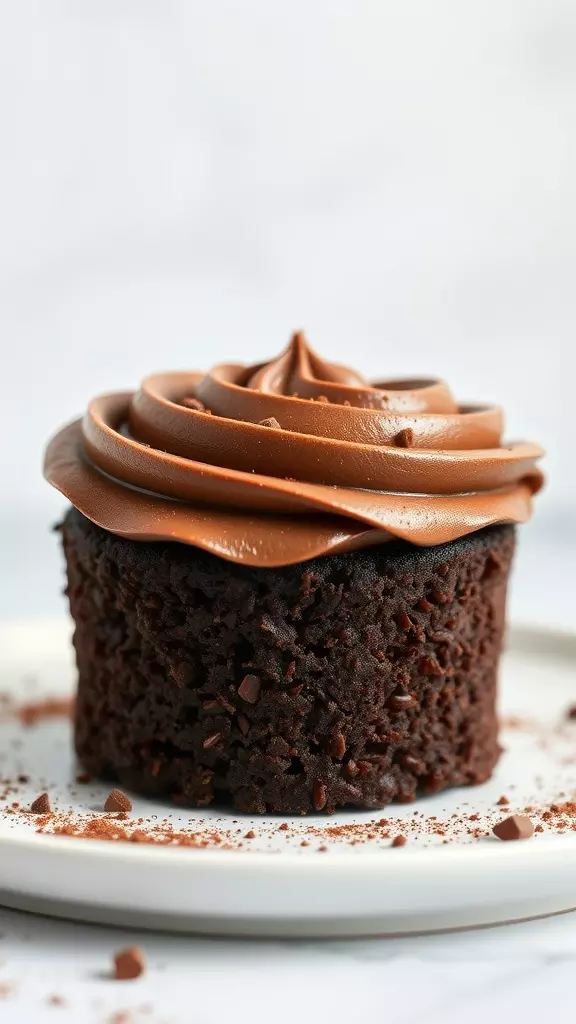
(521, 971)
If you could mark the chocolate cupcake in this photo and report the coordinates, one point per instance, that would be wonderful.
(289, 584)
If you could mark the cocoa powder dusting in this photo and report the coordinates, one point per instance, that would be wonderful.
(34, 712)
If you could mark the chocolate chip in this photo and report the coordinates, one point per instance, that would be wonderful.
(503, 801)
(195, 404)
(117, 801)
(399, 841)
(431, 667)
(404, 621)
(404, 438)
(243, 724)
(337, 745)
(250, 835)
(41, 804)
(129, 964)
(402, 702)
(249, 689)
(517, 826)
(212, 740)
(271, 421)
(319, 795)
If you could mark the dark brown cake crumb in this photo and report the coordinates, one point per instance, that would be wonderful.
(517, 826)
(502, 801)
(129, 964)
(571, 711)
(41, 804)
(399, 841)
(117, 801)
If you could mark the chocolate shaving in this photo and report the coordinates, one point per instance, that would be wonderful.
(249, 689)
(517, 826)
(41, 804)
(212, 740)
(319, 795)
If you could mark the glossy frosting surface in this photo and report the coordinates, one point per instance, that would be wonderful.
(274, 464)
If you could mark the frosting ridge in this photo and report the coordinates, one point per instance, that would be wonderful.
(277, 463)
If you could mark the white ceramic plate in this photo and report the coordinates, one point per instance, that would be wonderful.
(272, 885)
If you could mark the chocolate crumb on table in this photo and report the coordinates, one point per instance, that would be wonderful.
(129, 964)
(571, 711)
(41, 805)
(399, 841)
(517, 826)
(55, 1000)
(502, 801)
(117, 801)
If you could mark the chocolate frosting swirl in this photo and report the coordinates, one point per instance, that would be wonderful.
(274, 464)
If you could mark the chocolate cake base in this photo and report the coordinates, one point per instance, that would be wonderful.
(353, 679)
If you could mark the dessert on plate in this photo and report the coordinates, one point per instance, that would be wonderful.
(288, 584)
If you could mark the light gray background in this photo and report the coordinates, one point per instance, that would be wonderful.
(187, 182)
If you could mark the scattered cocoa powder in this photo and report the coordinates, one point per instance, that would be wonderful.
(34, 712)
